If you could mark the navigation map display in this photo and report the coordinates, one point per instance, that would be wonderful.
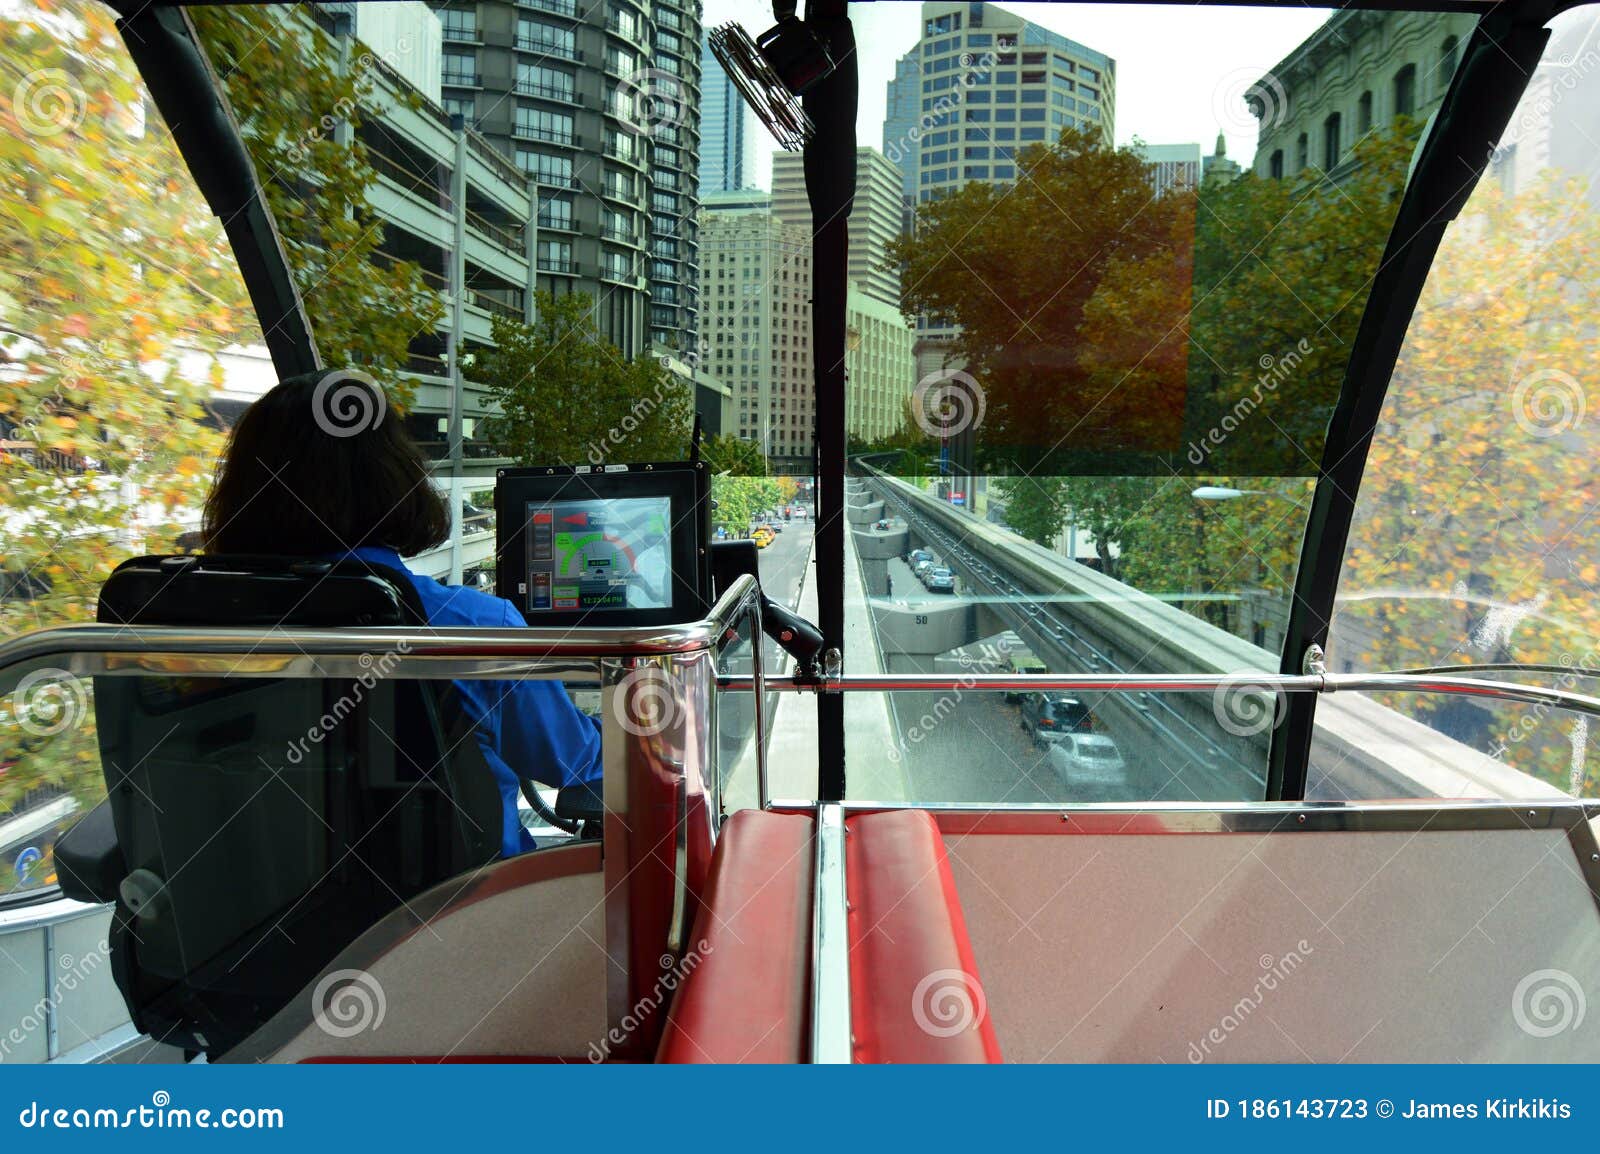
(598, 554)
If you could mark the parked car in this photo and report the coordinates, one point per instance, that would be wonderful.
(1048, 717)
(918, 555)
(1024, 661)
(799, 512)
(762, 537)
(880, 526)
(938, 579)
(1088, 759)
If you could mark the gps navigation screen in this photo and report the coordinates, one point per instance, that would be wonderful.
(599, 554)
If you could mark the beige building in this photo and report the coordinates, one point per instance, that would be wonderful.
(756, 324)
(758, 333)
(875, 219)
(1359, 71)
(880, 366)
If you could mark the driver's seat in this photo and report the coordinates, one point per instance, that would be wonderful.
(255, 825)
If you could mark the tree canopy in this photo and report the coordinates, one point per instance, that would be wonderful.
(568, 397)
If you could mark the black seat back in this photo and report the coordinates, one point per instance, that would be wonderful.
(264, 822)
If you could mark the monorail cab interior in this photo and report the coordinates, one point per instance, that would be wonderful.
(1185, 649)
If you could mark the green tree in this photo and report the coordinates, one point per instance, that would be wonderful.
(304, 109)
(567, 396)
(726, 454)
(117, 289)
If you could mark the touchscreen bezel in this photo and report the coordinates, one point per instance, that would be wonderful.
(685, 485)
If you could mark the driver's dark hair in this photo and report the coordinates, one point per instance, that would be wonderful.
(318, 466)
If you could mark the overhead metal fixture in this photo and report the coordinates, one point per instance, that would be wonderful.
(773, 71)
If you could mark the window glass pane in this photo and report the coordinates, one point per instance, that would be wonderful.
(126, 339)
(1125, 344)
(1475, 540)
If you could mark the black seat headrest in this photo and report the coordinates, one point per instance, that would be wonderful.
(260, 591)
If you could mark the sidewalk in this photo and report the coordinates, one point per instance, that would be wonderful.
(869, 734)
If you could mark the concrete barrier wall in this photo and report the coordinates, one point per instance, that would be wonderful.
(1372, 750)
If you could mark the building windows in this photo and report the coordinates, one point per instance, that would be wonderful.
(461, 106)
(461, 69)
(1302, 152)
(1364, 114)
(1405, 91)
(458, 25)
(1448, 58)
(541, 124)
(1330, 142)
(546, 167)
(540, 80)
(555, 212)
(549, 39)
(555, 256)
(1275, 164)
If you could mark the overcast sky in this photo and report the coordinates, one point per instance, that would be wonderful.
(1181, 70)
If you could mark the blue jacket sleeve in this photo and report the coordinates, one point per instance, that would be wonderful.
(542, 734)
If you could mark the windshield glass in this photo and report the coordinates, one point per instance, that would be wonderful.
(1475, 540)
(1134, 268)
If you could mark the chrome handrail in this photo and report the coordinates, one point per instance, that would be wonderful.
(416, 643)
(1177, 683)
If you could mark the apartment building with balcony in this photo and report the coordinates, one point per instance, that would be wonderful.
(599, 104)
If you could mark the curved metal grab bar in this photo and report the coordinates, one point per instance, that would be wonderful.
(1179, 683)
(529, 643)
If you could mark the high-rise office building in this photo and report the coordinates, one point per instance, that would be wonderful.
(875, 219)
(1174, 165)
(599, 104)
(756, 334)
(730, 135)
(981, 84)
(758, 321)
